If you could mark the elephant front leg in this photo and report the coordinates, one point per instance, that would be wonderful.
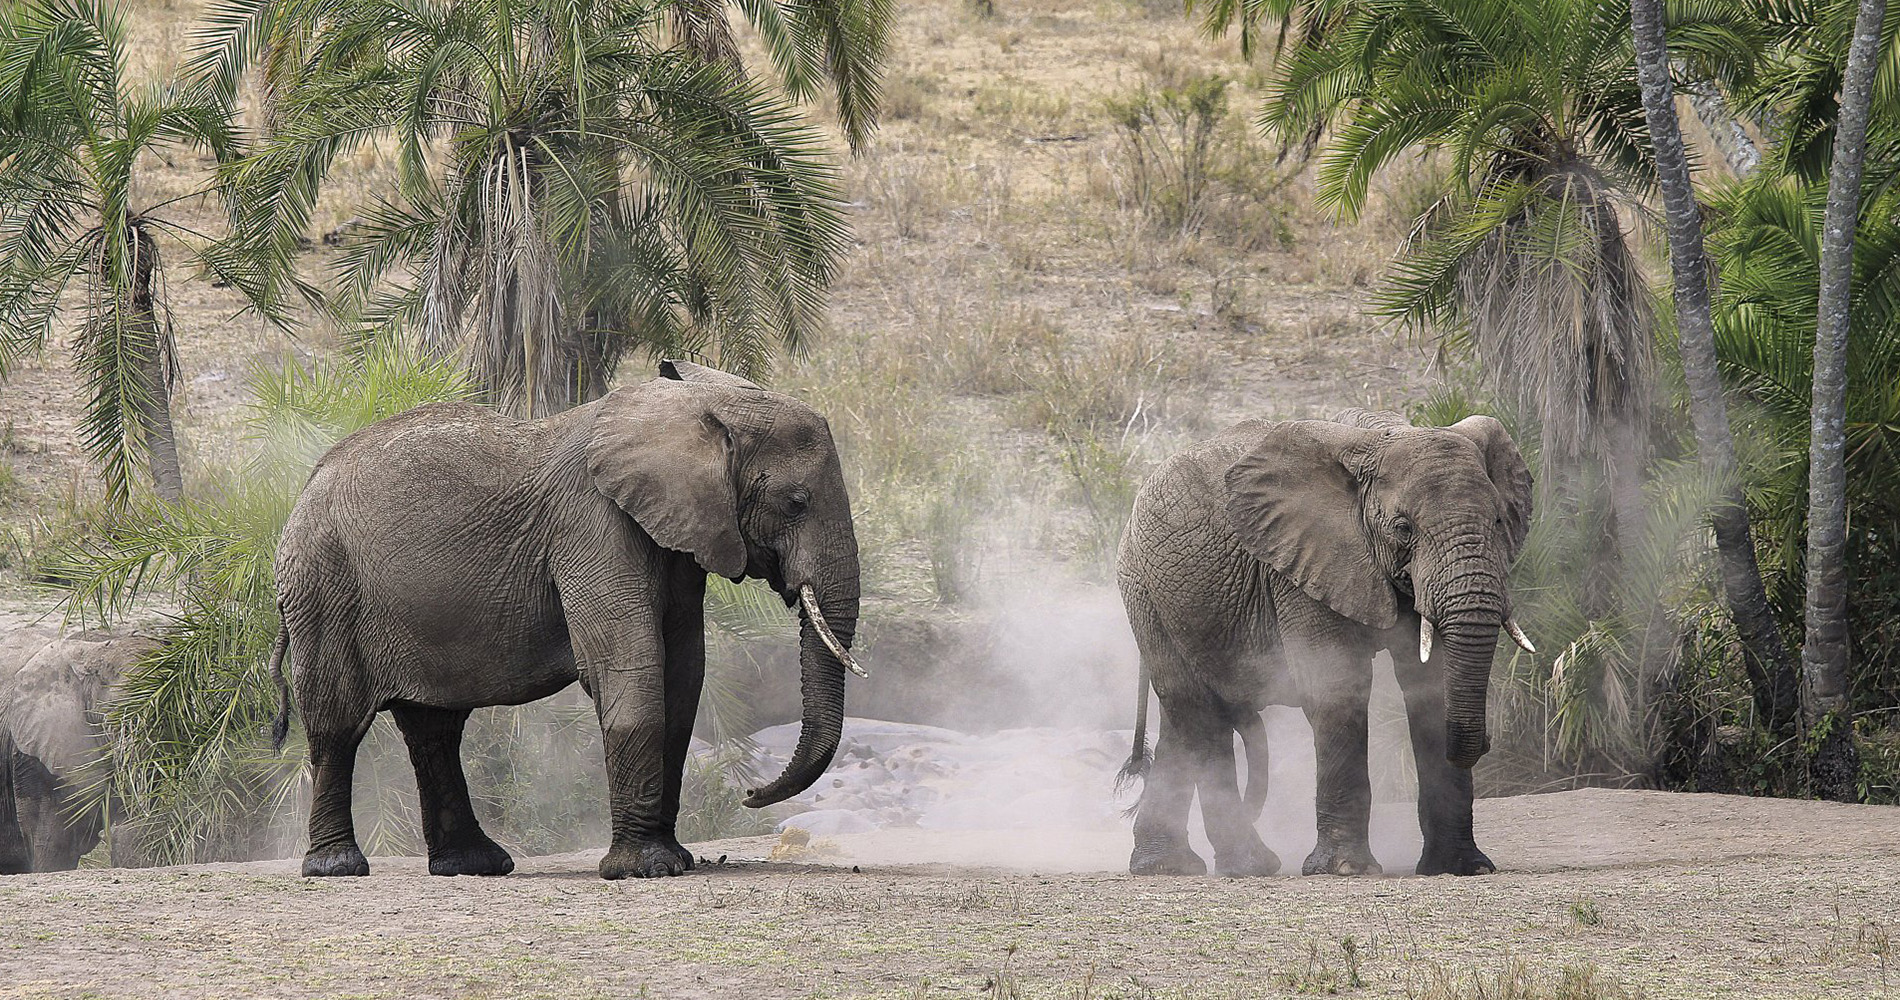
(15, 858)
(685, 676)
(1444, 790)
(632, 702)
(1344, 795)
(457, 845)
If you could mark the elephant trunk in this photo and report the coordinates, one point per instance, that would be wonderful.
(1469, 640)
(821, 686)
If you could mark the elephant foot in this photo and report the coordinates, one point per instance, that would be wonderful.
(685, 855)
(332, 862)
(644, 858)
(482, 857)
(1254, 861)
(1341, 859)
(1165, 859)
(1462, 859)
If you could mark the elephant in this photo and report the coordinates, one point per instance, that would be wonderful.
(450, 558)
(1268, 566)
(52, 687)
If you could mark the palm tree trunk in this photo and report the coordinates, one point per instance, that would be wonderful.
(154, 411)
(1824, 655)
(1765, 656)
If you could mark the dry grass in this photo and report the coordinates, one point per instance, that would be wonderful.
(1015, 340)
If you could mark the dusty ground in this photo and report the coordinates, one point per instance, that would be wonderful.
(1634, 893)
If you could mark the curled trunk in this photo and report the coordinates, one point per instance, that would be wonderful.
(821, 687)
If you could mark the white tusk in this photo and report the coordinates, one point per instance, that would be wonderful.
(810, 600)
(1518, 636)
(1424, 639)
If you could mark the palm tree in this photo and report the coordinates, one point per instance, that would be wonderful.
(1770, 669)
(1524, 258)
(73, 130)
(576, 177)
(1768, 241)
(1825, 653)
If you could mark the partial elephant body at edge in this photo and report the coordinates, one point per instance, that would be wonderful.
(1267, 567)
(52, 688)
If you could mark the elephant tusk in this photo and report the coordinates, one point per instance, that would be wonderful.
(1424, 639)
(1518, 636)
(810, 600)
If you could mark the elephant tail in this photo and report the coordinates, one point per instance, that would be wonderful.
(280, 726)
(1140, 758)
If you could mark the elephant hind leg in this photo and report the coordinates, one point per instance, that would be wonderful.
(1238, 849)
(1161, 837)
(457, 845)
(337, 713)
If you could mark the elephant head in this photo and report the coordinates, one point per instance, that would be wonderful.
(52, 687)
(749, 482)
(1364, 514)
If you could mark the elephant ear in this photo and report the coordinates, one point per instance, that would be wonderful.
(1508, 473)
(686, 371)
(1294, 502)
(661, 453)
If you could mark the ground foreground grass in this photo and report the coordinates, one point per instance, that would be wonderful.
(1605, 894)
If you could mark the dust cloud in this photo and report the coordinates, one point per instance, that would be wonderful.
(1001, 735)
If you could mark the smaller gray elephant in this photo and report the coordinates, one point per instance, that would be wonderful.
(1267, 567)
(52, 687)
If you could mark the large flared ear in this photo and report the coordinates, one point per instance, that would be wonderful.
(1294, 502)
(686, 371)
(1508, 473)
(660, 452)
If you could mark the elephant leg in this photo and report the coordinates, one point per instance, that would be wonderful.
(1253, 738)
(333, 848)
(1161, 837)
(618, 644)
(1344, 786)
(1238, 849)
(337, 713)
(685, 676)
(1444, 790)
(15, 858)
(457, 845)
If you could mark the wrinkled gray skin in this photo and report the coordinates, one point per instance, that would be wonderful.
(1266, 567)
(451, 558)
(52, 687)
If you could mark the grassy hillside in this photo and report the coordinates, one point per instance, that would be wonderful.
(1065, 266)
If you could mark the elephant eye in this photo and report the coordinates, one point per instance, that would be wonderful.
(797, 500)
(1402, 526)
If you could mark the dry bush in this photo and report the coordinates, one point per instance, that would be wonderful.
(1188, 165)
(1015, 104)
(909, 97)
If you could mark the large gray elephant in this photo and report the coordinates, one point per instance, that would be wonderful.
(450, 558)
(52, 687)
(1267, 567)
